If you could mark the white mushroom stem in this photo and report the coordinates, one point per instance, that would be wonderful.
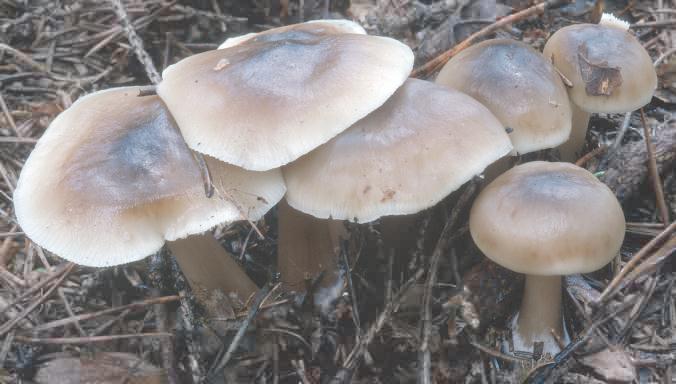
(570, 150)
(540, 313)
(208, 267)
(306, 246)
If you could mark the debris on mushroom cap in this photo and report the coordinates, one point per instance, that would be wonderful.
(610, 20)
(277, 100)
(609, 69)
(112, 178)
(421, 145)
(302, 31)
(520, 87)
(544, 218)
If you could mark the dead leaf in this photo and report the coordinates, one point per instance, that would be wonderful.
(600, 79)
(103, 368)
(612, 365)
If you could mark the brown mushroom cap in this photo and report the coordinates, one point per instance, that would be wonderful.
(609, 69)
(302, 31)
(421, 145)
(261, 105)
(112, 179)
(520, 87)
(544, 218)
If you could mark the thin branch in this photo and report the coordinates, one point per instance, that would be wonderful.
(654, 174)
(223, 360)
(89, 316)
(86, 340)
(638, 256)
(436, 63)
(8, 326)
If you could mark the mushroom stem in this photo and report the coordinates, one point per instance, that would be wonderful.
(540, 313)
(498, 167)
(570, 150)
(208, 267)
(306, 246)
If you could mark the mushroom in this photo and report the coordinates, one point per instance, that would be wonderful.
(302, 31)
(520, 87)
(609, 70)
(263, 104)
(546, 220)
(424, 143)
(112, 179)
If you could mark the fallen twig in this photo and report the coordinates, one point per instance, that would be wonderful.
(654, 174)
(436, 63)
(617, 280)
(86, 340)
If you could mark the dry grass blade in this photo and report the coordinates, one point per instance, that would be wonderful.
(88, 339)
(8, 326)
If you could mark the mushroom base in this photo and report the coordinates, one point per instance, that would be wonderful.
(306, 247)
(539, 316)
(570, 150)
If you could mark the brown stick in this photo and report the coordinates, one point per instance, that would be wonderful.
(654, 174)
(8, 326)
(656, 241)
(436, 63)
(590, 155)
(88, 316)
(86, 340)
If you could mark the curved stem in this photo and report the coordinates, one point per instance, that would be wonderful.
(570, 150)
(540, 314)
(306, 246)
(208, 267)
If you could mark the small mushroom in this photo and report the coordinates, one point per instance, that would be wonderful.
(608, 68)
(546, 220)
(520, 87)
(263, 104)
(424, 143)
(302, 31)
(112, 179)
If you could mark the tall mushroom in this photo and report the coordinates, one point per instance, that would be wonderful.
(546, 220)
(112, 179)
(520, 87)
(270, 98)
(424, 143)
(608, 68)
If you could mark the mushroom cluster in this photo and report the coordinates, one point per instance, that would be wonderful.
(325, 115)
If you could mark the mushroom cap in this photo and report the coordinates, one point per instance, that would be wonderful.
(263, 104)
(542, 218)
(609, 69)
(302, 31)
(111, 179)
(520, 87)
(424, 143)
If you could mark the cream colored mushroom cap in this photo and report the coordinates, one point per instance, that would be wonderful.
(262, 105)
(424, 143)
(111, 179)
(609, 69)
(543, 218)
(520, 87)
(301, 31)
